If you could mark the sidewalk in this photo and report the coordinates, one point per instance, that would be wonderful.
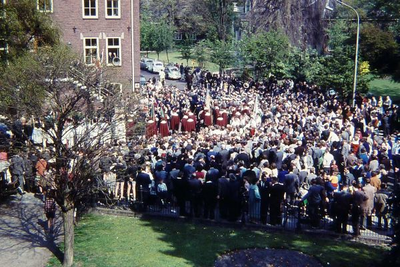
(23, 241)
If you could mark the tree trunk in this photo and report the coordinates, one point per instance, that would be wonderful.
(68, 218)
(166, 51)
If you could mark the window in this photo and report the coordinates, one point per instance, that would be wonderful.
(113, 9)
(45, 6)
(177, 36)
(3, 50)
(2, 7)
(89, 9)
(114, 51)
(91, 50)
(193, 36)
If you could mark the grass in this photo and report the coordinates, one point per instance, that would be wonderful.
(175, 56)
(384, 87)
(125, 241)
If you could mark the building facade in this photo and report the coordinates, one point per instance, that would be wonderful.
(106, 33)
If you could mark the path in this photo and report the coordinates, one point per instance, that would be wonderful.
(23, 241)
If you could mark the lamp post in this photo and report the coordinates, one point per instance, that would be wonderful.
(356, 55)
(357, 43)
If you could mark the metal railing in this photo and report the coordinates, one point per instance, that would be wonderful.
(294, 217)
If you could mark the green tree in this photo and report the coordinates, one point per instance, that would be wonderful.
(156, 36)
(23, 28)
(386, 17)
(201, 53)
(160, 10)
(304, 64)
(381, 8)
(186, 49)
(338, 64)
(216, 15)
(64, 93)
(221, 54)
(147, 35)
(267, 51)
(379, 48)
(163, 38)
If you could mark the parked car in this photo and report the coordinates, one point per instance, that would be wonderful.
(146, 63)
(143, 80)
(172, 64)
(156, 67)
(172, 73)
(143, 63)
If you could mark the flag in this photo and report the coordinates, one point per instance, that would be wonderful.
(162, 115)
(208, 100)
(255, 108)
(256, 116)
(152, 112)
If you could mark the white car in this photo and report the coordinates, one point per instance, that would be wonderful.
(144, 62)
(148, 63)
(156, 67)
(172, 73)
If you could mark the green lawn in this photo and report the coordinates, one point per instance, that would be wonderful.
(384, 87)
(125, 241)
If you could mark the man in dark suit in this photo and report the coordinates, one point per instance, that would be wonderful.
(337, 155)
(234, 198)
(210, 192)
(341, 207)
(223, 192)
(224, 155)
(195, 187)
(213, 174)
(180, 191)
(276, 193)
(279, 159)
(291, 185)
(143, 182)
(263, 186)
(243, 156)
(188, 169)
(359, 199)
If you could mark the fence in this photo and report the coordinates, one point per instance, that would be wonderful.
(289, 217)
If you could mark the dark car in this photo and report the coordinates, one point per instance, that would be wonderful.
(143, 80)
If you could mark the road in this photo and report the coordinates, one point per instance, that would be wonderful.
(177, 83)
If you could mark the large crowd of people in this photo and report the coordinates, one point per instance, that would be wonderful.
(250, 148)
(253, 147)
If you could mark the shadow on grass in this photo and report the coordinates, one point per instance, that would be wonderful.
(20, 223)
(201, 244)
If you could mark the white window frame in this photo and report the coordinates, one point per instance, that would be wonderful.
(4, 49)
(96, 16)
(3, 4)
(193, 36)
(45, 9)
(178, 36)
(113, 47)
(112, 8)
(91, 47)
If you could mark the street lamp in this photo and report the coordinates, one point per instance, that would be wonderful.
(357, 43)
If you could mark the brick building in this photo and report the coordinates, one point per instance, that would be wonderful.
(104, 32)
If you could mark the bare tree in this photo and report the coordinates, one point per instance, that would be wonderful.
(77, 110)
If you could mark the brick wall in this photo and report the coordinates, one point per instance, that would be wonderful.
(68, 16)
